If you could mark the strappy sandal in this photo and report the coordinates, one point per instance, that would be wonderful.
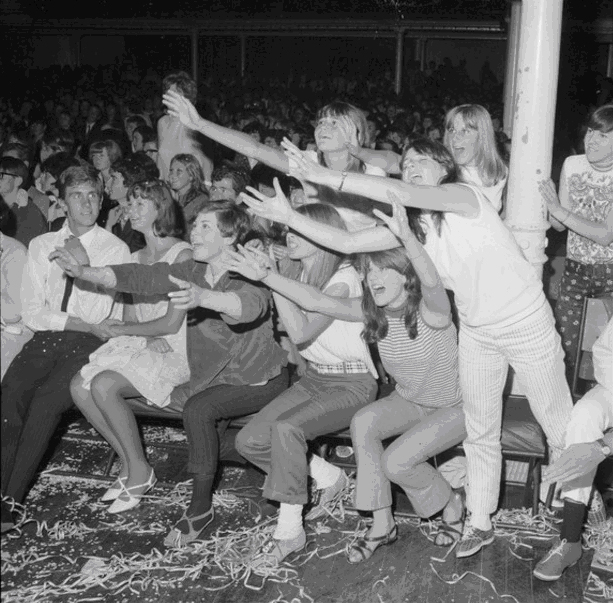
(364, 546)
(177, 539)
(450, 532)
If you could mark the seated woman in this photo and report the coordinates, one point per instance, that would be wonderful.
(13, 258)
(147, 357)
(186, 180)
(102, 155)
(236, 365)
(406, 311)
(340, 380)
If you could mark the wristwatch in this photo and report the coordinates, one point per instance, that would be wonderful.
(604, 447)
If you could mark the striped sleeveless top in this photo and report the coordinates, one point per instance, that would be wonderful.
(425, 368)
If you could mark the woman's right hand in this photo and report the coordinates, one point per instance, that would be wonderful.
(398, 223)
(277, 208)
(181, 108)
(250, 263)
(303, 167)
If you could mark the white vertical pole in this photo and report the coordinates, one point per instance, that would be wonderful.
(533, 123)
(194, 42)
(610, 62)
(510, 78)
(399, 49)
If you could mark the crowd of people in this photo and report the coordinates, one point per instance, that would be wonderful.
(248, 255)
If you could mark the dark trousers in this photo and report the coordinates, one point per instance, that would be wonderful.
(35, 394)
(578, 282)
(204, 412)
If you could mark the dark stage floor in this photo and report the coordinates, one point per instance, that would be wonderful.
(75, 551)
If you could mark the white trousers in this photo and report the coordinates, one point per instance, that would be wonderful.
(590, 418)
(532, 347)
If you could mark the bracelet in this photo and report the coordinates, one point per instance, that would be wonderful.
(343, 176)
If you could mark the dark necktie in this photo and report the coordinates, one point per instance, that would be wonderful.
(67, 292)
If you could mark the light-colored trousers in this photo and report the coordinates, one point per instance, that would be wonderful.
(532, 347)
(423, 432)
(590, 418)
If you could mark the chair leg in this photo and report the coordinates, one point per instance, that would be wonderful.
(536, 482)
(109, 462)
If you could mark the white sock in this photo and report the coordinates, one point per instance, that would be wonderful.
(325, 474)
(481, 522)
(289, 524)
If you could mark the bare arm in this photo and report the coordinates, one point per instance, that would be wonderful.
(168, 324)
(388, 161)
(278, 209)
(599, 232)
(435, 307)
(180, 107)
(452, 198)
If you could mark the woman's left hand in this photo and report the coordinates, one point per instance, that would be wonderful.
(188, 297)
(250, 263)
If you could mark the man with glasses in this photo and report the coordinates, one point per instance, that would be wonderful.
(69, 318)
(14, 182)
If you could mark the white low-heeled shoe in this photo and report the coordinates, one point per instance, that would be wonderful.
(119, 505)
(114, 491)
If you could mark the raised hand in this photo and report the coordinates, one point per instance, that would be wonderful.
(181, 108)
(159, 345)
(398, 223)
(548, 191)
(76, 249)
(188, 297)
(350, 131)
(301, 166)
(66, 261)
(251, 263)
(277, 208)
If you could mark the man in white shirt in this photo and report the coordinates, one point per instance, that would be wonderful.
(69, 319)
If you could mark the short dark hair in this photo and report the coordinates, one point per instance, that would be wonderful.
(132, 171)
(147, 134)
(601, 119)
(79, 174)
(232, 220)
(57, 163)
(169, 221)
(112, 148)
(184, 83)
(21, 150)
(17, 168)
(139, 120)
(239, 177)
(152, 172)
(264, 174)
(59, 140)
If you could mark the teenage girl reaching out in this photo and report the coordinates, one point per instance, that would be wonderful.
(504, 316)
(340, 379)
(406, 311)
(340, 126)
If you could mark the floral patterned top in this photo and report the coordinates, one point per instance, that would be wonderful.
(590, 195)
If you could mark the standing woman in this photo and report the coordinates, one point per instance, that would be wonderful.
(186, 180)
(504, 316)
(584, 205)
(147, 357)
(469, 136)
(340, 379)
(406, 311)
(340, 126)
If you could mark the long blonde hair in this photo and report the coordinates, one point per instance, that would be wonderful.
(490, 165)
(327, 262)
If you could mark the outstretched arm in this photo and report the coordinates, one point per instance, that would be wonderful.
(388, 161)
(256, 265)
(448, 197)
(278, 209)
(435, 309)
(181, 108)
